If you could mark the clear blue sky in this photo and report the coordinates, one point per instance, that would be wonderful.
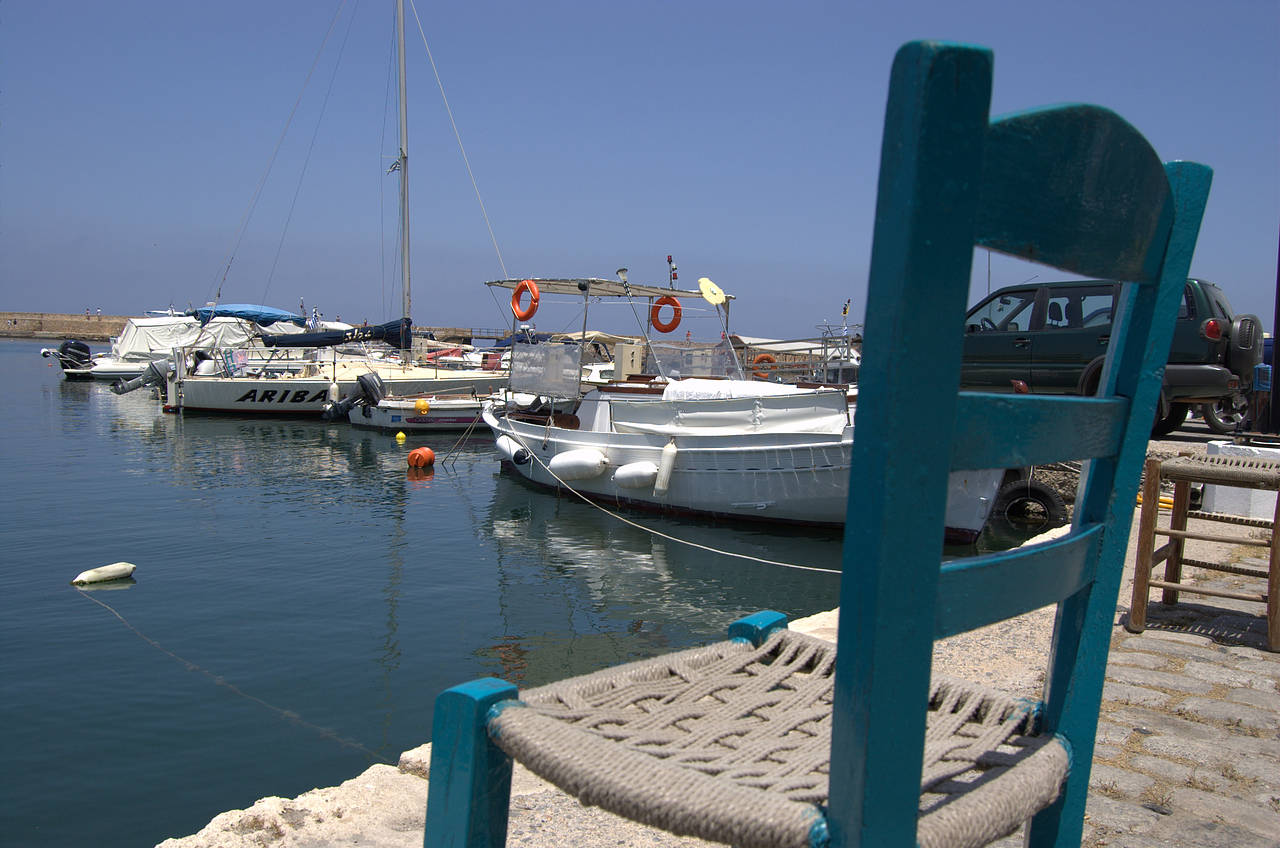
(742, 137)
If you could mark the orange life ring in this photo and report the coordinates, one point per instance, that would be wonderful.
(655, 318)
(762, 359)
(526, 312)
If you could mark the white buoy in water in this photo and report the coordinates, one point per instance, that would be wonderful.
(103, 573)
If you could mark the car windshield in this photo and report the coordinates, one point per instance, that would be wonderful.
(1004, 312)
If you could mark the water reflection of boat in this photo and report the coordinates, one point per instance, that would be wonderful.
(623, 592)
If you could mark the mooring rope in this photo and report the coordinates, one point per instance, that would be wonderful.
(287, 715)
(534, 457)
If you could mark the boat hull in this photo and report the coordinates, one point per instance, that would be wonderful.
(402, 414)
(307, 395)
(798, 478)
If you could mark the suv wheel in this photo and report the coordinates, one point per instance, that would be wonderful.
(1225, 415)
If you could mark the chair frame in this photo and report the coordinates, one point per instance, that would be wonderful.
(951, 179)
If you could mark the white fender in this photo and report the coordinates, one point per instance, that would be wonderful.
(635, 475)
(506, 446)
(580, 464)
(103, 573)
(335, 394)
(665, 464)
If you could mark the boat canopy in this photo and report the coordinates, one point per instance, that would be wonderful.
(263, 315)
(144, 339)
(397, 333)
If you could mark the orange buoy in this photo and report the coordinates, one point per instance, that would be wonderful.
(422, 457)
(655, 314)
(524, 313)
(762, 359)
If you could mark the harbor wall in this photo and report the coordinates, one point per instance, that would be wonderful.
(101, 328)
(61, 325)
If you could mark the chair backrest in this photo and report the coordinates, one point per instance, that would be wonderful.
(1073, 187)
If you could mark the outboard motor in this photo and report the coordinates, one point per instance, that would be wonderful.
(369, 390)
(73, 357)
(155, 374)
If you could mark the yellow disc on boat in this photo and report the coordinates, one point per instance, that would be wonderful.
(400, 437)
(421, 406)
(711, 293)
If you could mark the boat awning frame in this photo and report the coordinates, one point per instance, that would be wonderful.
(595, 287)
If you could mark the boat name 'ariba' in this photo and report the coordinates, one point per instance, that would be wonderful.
(282, 396)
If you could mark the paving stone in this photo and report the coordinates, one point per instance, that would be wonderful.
(1158, 680)
(1211, 807)
(1231, 713)
(1158, 766)
(1175, 649)
(1107, 752)
(1159, 662)
(1239, 750)
(1158, 724)
(1184, 638)
(1131, 784)
(1110, 733)
(1260, 698)
(1261, 668)
(1211, 834)
(1124, 693)
(1122, 816)
(1221, 673)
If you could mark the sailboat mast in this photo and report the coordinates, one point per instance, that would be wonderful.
(404, 162)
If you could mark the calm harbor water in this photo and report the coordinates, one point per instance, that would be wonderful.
(299, 602)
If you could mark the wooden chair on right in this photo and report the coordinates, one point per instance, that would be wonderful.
(776, 738)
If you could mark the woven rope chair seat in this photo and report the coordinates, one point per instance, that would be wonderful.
(732, 743)
(1245, 472)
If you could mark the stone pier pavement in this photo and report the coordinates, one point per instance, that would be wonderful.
(1188, 747)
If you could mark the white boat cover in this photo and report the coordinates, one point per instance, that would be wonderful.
(144, 339)
(825, 412)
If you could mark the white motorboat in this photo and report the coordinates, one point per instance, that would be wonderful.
(149, 339)
(731, 448)
(419, 412)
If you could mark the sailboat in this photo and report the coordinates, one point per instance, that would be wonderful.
(224, 385)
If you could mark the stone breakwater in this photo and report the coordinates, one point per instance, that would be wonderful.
(61, 325)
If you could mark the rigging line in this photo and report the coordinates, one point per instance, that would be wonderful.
(458, 136)
(287, 715)
(659, 533)
(324, 105)
(257, 192)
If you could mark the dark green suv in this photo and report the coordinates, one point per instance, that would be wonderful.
(1052, 337)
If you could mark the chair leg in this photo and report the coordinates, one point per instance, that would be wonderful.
(469, 787)
(1136, 621)
(1177, 521)
(1273, 582)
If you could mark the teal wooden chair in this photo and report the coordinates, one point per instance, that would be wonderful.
(776, 738)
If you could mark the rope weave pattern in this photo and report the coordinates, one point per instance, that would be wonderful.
(732, 743)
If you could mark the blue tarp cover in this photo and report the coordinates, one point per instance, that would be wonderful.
(264, 315)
